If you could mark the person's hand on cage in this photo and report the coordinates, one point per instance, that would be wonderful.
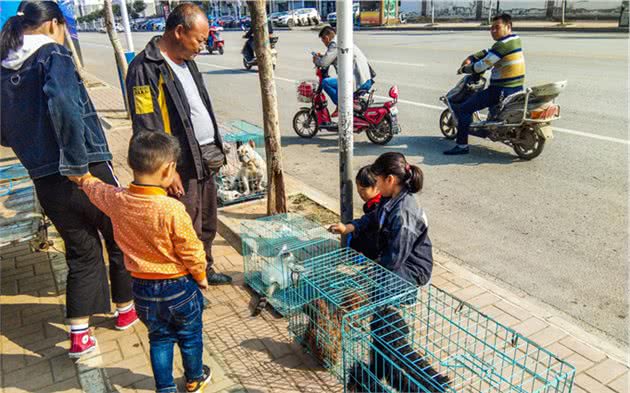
(341, 229)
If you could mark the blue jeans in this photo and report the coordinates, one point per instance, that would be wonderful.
(171, 311)
(478, 101)
(331, 87)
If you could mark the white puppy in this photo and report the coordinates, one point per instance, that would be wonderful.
(253, 169)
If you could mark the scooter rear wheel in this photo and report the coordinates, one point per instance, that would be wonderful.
(382, 133)
(221, 51)
(447, 124)
(532, 145)
(305, 123)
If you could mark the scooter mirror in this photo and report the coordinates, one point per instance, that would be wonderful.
(393, 92)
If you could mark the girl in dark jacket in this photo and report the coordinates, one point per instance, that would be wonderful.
(50, 123)
(404, 246)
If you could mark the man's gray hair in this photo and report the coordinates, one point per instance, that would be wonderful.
(184, 14)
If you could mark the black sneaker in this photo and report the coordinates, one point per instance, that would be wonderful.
(456, 151)
(202, 382)
(215, 278)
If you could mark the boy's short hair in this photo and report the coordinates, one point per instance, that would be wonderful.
(327, 31)
(148, 151)
(365, 177)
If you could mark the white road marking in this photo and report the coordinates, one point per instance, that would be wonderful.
(438, 107)
(397, 63)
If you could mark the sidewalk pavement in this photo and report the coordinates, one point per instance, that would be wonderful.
(247, 354)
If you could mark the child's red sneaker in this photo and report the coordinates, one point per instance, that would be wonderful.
(81, 344)
(126, 319)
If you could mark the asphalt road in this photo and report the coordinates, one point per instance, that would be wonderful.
(554, 227)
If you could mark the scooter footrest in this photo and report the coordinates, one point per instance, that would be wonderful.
(486, 123)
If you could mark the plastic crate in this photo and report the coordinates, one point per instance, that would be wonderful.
(442, 344)
(330, 291)
(244, 177)
(273, 247)
(306, 90)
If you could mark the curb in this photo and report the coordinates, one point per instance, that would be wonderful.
(551, 315)
(516, 28)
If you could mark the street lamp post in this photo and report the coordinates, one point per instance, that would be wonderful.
(125, 18)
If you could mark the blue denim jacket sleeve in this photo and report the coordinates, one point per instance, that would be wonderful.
(61, 86)
(366, 221)
(402, 236)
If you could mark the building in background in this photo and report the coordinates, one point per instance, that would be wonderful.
(86, 7)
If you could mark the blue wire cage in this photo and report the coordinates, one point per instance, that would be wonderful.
(330, 291)
(275, 246)
(442, 344)
(21, 218)
(244, 177)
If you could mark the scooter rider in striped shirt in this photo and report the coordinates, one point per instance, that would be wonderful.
(506, 60)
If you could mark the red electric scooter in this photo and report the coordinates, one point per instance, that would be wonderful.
(379, 119)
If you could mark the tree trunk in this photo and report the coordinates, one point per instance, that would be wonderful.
(75, 55)
(276, 193)
(119, 53)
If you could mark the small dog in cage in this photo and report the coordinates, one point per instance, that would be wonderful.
(323, 335)
(253, 170)
(387, 360)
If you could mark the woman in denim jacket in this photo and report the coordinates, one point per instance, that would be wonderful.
(50, 123)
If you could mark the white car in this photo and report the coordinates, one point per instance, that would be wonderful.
(307, 16)
(286, 18)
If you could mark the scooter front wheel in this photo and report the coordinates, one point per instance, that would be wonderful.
(221, 51)
(246, 64)
(382, 133)
(305, 123)
(447, 124)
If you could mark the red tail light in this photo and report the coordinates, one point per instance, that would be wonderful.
(393, 92)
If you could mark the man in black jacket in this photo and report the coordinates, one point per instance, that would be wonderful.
(166, 93)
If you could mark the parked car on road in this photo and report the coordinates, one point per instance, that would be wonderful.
(227, 21)
(332, 17)
(246, 21)
(307, 16)
(287, 18)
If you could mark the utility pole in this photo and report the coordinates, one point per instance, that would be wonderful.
(346, 88)
(432, 12)
(125, 18)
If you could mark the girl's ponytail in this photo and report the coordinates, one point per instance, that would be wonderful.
(395, 164)
(415, 179)
(12, 36)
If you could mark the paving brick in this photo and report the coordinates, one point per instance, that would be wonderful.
(560, 350)
(63, 368)
(621, 384)
(71, 385)
(30, 259)
(129, 377)
(591, 385)
(580, 363)
(513, 310)
(12, 362)
(485, 299)
(530, 326)
(131, 346)
(607, 371)
(42, 268)
(136, 363)
(547, 336)
(583, 349)
(468, 293)
(17, 273)
(30, 378)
